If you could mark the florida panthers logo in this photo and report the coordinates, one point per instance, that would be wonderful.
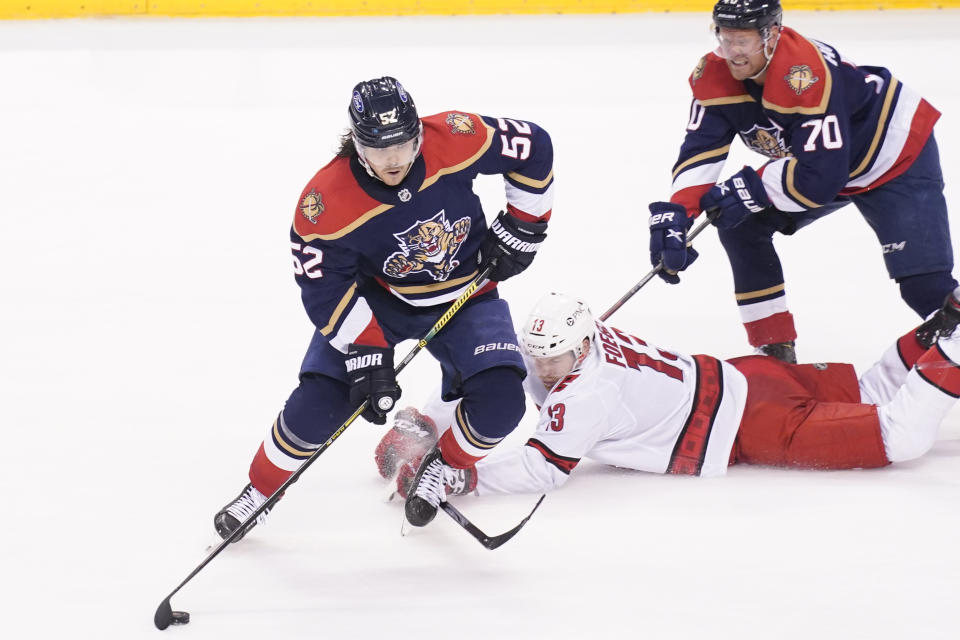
(311, 206)
(428, 247)
(461, 124)
(766, 140)
(698, 72)
(801, 78)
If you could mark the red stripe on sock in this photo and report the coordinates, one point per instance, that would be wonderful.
(936, 368)
(910, 349)
(453, 453)
(776, 328)
(265, 476)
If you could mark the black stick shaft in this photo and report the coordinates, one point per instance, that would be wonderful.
(645, 279)
(164, 613)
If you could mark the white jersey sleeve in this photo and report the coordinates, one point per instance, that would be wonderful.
(569, 426)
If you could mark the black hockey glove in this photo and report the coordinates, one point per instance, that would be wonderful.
(512, 243)
(668, 239)
(736, 198)
(371, 375)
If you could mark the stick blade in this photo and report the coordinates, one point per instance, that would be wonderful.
(164, 615)
(495, 541)
(489, 542)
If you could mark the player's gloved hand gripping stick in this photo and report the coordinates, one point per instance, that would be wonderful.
(709, 217)
(165, 616)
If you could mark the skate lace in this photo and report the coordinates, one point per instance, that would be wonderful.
(431, 486)
(248, 502)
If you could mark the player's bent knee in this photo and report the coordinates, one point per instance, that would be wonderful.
(494, 400)
(925, 292)
(316, 408)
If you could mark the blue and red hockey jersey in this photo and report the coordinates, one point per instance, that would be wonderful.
(420, 239)
(829, 127)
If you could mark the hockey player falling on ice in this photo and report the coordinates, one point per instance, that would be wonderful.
(608, 395)
(835, 133)
(384, 237)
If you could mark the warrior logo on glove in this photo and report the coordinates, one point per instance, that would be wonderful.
(511, 245)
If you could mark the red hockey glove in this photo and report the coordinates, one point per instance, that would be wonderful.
(412, 435)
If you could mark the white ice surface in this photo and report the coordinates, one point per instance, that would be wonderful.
(150, 330)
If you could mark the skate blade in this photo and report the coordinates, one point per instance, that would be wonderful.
(405, 527)
(215, 541)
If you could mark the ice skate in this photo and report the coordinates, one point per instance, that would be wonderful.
(427, 490)
(784, 351)
(238, 510)
(942, 323)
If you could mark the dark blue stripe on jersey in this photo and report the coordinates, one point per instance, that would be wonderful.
(527, 187)
(707, 159)
(771, 296)
(885, 125)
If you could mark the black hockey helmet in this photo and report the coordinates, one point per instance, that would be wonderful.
(747, 14)
(382, 113)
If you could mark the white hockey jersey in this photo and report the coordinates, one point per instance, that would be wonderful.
(630, 404)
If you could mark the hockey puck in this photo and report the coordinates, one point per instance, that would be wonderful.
(180, 617)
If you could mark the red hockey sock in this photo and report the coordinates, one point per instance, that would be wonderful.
(772, 329)
(909, 348)
(938, 369)
(265, 476)
(454, 454)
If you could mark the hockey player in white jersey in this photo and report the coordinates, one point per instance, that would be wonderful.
(610, 396)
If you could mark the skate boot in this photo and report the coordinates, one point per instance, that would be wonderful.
(784, 351)
(942, 323)
(427, 490)
(237, 511)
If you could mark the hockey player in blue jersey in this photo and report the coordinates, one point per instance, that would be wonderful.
(835, 133)
(384, 238)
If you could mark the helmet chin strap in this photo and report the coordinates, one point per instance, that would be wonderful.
(768, 54)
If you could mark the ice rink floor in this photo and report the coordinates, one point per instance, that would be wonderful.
(150, 330)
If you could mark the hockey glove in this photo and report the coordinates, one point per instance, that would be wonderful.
(513, 243)
(371, 375)
(412, 436)
(736, 198)
(455, 481)
(668, 239)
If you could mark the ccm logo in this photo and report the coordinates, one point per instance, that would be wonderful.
(496, 346)
(894, 246)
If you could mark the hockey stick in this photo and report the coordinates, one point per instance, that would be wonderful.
(165, 616)
(713, 213)
(489, 542)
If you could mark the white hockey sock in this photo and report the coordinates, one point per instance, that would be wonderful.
(910, 420)
(882, 381)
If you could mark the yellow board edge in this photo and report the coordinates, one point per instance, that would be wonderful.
(32, 9)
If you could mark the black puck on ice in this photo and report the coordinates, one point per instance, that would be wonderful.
(180, 617)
